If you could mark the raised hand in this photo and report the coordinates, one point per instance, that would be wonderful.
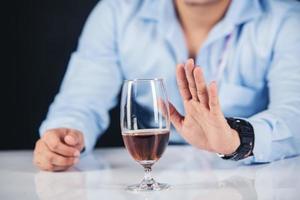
(204, 125)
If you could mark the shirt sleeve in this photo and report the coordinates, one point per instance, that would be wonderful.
(277, 129)
(92, 81)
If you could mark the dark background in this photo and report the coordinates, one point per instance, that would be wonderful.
(40, 37)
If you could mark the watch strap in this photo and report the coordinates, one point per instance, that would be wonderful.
(246, 135)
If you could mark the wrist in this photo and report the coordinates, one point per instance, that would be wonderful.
(233, 143)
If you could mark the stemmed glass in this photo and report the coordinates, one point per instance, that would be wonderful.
(145, 125)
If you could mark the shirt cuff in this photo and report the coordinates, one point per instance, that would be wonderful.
(262, 142)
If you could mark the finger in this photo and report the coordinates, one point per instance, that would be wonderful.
(46, 155)
(50, 167)
(182, 83)
(74, 138)
(54, 143)
(189, 68)
(44, 159)
(163, 108)
(201, 86)
(59, 160)
(214, 104)
(39, 159)
(71, 138)
(175, 117)
(37, 152)
(47, 166)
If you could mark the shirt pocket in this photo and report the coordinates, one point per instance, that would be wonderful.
(237, 100)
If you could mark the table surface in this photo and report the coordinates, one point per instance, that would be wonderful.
(193, 174)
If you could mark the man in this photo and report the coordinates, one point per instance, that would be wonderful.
(249, 50)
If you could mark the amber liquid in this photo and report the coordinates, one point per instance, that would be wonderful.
(146, 146)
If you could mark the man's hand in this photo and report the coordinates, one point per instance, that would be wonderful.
(204, 125)
(58, 149)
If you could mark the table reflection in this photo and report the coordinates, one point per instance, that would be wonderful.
(94, 179)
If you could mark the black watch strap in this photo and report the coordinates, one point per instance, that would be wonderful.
(246, 134)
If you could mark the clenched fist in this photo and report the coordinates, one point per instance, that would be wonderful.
(58, 149)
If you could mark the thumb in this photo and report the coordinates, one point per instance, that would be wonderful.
(71, 138)
(175, 117)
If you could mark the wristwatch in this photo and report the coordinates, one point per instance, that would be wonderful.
(246, 135)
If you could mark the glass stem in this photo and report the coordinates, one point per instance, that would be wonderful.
(147, 177)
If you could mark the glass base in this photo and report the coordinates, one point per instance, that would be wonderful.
(148, 185)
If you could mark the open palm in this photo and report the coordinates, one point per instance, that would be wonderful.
(204, 125)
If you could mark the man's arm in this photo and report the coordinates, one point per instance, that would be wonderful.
(92, 80)
(277, 129)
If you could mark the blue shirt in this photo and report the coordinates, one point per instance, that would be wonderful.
(143, 39)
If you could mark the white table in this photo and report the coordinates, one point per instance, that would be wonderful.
(193, 174)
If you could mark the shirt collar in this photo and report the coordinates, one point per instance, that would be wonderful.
(240, 11)
(150, 10)
(163, 12)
